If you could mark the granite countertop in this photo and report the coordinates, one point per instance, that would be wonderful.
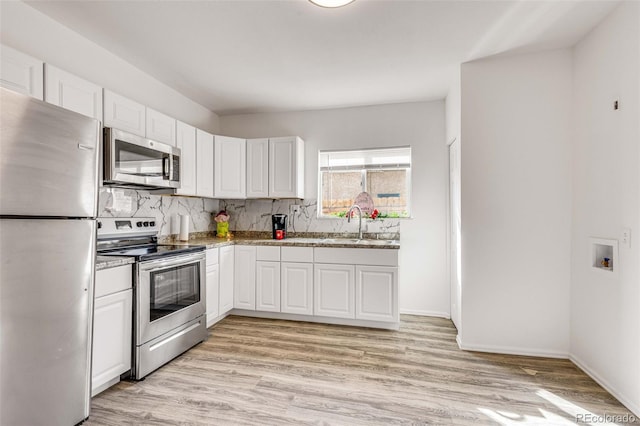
(257, 239)
(106, 262)
(213, 242)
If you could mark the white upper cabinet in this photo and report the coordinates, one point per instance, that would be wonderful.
(124, 114)
(160, 127)
(286, 167)
(21, 73)
(71, 92)
(258, 168)
(186, 141)
(230, 167)
(204, 164)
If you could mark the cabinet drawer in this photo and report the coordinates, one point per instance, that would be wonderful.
(356, 256)
(113, 280)
(297, 254)
(268, 253)
(212, 256)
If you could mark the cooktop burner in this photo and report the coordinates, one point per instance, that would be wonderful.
(153, 251)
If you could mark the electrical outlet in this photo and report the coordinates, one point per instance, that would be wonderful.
(294, 208)
(626, 237)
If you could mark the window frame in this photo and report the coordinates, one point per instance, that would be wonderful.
(364, 170)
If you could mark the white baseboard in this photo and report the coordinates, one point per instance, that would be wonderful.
(633, 406)
(426, 313)
(318, 319)
(511, 350)
(459, 340)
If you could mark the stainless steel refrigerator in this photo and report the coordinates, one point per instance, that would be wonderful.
(48, 209)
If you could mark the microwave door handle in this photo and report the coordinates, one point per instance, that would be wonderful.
(171, 167)
(166, 167)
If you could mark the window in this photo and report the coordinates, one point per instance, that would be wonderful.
(385, 174)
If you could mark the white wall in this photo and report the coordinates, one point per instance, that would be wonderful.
(35, 34)
(424, 286)
(453, 124)
(605, 308)
(516, 203)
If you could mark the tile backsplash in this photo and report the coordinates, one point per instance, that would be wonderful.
(255, 215)
(118, 202)
(246, 215)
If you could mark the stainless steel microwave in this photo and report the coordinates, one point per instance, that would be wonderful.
(131, 161)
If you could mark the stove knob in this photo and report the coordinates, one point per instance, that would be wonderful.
(152, 223)
(146, 223)
(139, 224)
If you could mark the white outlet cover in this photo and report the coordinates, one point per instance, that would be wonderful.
(625, 238)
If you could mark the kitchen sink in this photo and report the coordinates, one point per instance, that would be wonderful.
(363, 242)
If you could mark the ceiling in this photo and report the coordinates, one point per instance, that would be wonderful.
(244, 56)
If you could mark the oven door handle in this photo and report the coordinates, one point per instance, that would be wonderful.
(175, 261)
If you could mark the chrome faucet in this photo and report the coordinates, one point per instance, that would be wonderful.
(355, 206)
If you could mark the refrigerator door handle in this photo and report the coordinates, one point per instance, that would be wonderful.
(85, 147)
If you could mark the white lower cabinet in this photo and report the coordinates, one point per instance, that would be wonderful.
(377, 293)
(244, 285)
(296, 288)
(112, 327)
(341, 283)
(268, 286)
(213, 286)
(334, 290)
(226, 278)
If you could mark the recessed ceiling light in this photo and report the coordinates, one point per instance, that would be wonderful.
(331, 3)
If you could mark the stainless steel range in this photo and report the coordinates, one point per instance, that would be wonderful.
(169, 290)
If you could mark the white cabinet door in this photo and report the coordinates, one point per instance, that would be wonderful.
(124, 114)
(268, 286)
(160, 127)
(73, 93)
(226, 279)
(377, 293)
(286, 167)
(257, 168)
(230, 165)
(244, 283)
(212, 295)
(21, 73)
(296, 288)
(112, 328)
(186, 141)
(334, 291)
(204, 164)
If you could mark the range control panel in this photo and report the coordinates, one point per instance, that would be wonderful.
(112, 227)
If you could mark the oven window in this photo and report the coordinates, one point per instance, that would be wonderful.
(174, 289)
(137, 160)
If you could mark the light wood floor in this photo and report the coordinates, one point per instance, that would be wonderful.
(271, 372)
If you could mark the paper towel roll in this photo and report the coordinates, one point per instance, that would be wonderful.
(175, 225)
(184, 227)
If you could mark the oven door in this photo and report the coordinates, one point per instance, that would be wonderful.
(170, 292)
(134, 161)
